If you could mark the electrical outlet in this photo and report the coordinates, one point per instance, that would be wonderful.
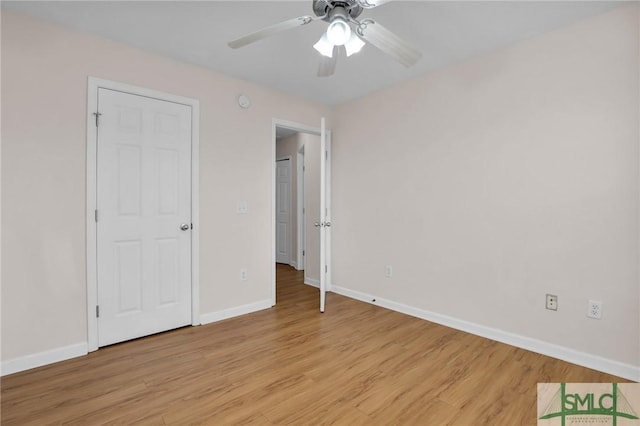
(594, 309)
(388, 271)
(243, 274)
(552, 302)
(242, 207)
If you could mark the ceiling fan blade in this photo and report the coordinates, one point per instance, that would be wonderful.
(328, 64)
(269, 31)
(369, 4)
(389, 43)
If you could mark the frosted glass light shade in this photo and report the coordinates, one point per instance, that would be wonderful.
(353, 45)
(324, 46)
(338, 32)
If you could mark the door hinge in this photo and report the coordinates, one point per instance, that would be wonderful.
(326, 155)
(303, 252)
(97, 311)
(96, 215)
(326, 269)
(97, 115)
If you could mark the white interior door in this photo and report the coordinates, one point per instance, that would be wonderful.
(143, 216)
(283, 211)
(325, 218)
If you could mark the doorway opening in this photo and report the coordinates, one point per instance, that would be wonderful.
(297, 200)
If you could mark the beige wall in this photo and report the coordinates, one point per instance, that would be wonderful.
(44, 95)
(494, 181)
(311, 145)
(485, 185)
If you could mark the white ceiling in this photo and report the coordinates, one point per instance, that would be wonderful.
(196, 32)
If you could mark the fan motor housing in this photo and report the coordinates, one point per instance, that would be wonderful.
(322, 7)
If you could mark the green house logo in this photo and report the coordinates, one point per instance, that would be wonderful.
(584, 405)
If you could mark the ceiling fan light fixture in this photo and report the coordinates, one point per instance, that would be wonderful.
(354, 45)
(339, 32)
(343, 29)
(324, 46)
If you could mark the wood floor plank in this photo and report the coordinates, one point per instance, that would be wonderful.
(355, 364)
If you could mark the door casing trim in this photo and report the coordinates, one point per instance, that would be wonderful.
(93, 84)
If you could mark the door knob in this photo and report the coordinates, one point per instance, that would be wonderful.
(316, 224)
(184, 227)
(327, 224)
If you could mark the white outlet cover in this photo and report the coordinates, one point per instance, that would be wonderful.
(594, 309)
(551, 302)
(388, 271)
(242, 207)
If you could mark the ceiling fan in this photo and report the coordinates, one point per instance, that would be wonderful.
(344, 29)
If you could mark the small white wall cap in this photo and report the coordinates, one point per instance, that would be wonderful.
(244, 101)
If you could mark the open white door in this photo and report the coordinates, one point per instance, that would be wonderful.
(325, 222)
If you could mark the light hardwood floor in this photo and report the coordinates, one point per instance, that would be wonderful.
(355, 364)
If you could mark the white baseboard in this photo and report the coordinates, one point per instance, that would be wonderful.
(294, 264)
(316, 283)
(312, 282)
(61, 354)
(43, 358)
(234, 312)
(595, 362)
(628, 371)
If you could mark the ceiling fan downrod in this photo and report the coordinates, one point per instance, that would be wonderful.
(326, 8)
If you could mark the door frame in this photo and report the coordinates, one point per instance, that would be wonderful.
(300, 128)
(93, 84)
